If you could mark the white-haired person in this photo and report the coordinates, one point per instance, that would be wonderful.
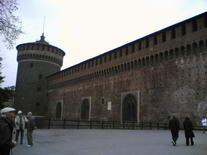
(6, 130)
(20, 124)
(30, 128)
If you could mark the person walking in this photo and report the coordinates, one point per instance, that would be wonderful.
(204, 123)
(188, 128)
(6, 130)
(20, 121)
(30, 128)
(174, 127)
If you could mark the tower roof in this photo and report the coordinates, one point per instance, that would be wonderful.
(42, 40)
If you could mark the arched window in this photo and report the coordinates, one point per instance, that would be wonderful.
(129, 108)
(58, 110)
(188, 50)
(85, 109)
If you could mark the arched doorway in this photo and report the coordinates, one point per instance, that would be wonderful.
(129, 108)
(58, 110)
(85, 109)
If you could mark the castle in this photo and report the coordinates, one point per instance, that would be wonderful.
(149, 79)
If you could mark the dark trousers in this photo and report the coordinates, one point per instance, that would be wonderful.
(21, 131)
(174, 135)
(4, 150)
(191, 140)
(29, 137)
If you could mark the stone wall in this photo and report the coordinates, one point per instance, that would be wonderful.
(169, 76)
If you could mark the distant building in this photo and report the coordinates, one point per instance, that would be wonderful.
(148, 79)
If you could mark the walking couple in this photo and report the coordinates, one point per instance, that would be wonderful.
(174, 126)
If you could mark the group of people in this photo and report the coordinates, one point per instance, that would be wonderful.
(174, 126)
(11, 126)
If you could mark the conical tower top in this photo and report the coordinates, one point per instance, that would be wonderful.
(42, 39)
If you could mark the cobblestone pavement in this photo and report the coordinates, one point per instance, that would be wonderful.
(110, 142)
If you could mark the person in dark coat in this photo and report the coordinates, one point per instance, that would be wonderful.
(188, 127)
(30, 128)
(174, 127)
(6, 130)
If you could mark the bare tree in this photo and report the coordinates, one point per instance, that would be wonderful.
(10, 26)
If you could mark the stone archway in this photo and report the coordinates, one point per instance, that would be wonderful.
(129, 108)
(58, 110)
(85, 109)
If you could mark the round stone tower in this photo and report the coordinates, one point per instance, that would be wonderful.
(36, 61)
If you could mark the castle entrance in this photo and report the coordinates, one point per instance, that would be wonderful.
(129, 108)
(58, 110)
(85, 109)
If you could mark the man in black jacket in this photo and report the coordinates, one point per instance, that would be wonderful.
(6, 130)
(188, 127)
(174, 127)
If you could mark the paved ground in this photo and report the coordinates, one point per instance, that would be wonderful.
(110, 142)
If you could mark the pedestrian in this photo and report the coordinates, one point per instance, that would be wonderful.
(30, 128)
(20, 121)
(174, 127)
(204, 123)
(6, 130)
(188, 128)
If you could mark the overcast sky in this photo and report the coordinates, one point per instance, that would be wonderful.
(87, 28)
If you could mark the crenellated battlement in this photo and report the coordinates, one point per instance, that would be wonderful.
(184, 39)
(41, 52)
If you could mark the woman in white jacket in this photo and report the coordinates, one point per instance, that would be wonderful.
(20, 122)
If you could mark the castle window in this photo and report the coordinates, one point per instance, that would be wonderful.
(201, 44)
(156, 58)
(40, 76)
(104, 58)
(92, 63)
(102, 101)
(163, 36)
(173, 34)
(128, 66)
(152, 59)
(135, 63)
(139, 63)
(147, 60)
(166, 55)
(183, 29)
(176, 52)
(147, 43)
(120, 53)
(126, 50)
(205, 20)
(39, 89)
(115, 55)
(182, 51)
(143, 61)
(188, 49)
(27, 47)
(31, 65)
(37, 104)
(140, 45)
(132, 64)
(133, 48)
(161, 57)
(100, 60)
(109, 57)
(155, 40)
(43, 47)
(194, 26)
